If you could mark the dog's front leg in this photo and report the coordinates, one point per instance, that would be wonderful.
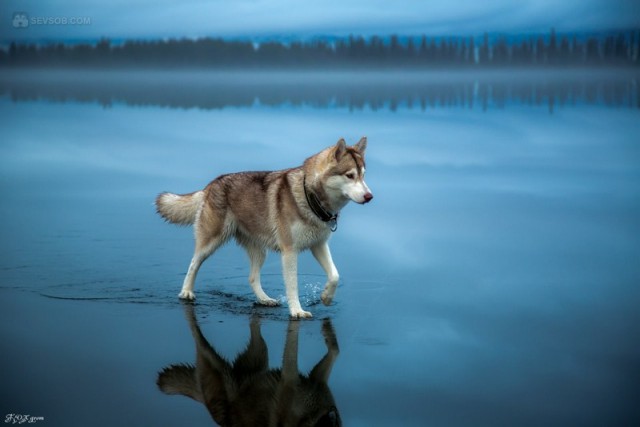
(286, 394)
(290, 370)
(290, 273)
(322, 254)
(322, 370)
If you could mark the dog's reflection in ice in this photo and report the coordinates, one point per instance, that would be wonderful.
(246, 392)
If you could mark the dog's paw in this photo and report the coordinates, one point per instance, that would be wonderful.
(326, 298)
(301, 314)
(329, 335)
(269, 302)
(188, 295)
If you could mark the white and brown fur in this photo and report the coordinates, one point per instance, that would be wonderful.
(272, 210)
(246, 392)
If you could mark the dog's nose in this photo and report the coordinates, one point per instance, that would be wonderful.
(368, 197)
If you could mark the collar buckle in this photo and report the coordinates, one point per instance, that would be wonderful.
(316, 207)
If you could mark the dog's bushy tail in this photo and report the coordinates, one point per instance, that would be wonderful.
(179, 208)
(180, 379)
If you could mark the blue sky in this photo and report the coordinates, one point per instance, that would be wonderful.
(256, 18)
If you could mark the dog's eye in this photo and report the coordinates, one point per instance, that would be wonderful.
(349, 175)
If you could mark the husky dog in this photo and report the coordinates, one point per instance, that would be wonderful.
(288, 211)
(248, 393)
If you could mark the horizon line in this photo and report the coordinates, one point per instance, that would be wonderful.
(320, 36)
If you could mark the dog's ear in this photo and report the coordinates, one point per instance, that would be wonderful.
(340, 149)
(361, 145)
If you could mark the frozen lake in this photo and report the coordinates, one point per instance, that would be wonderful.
(492, 281)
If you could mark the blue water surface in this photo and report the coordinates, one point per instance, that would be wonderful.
(492, 281)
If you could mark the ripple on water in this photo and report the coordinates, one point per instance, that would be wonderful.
(229, 294)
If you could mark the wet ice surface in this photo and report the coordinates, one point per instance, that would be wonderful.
(492, 281)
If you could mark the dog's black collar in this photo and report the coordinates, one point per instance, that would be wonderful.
(317, 208)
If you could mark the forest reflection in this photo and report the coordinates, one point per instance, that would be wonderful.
(352, 90)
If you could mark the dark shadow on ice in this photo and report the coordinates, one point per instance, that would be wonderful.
(246, 392)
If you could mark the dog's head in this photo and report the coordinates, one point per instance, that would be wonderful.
(346, 171)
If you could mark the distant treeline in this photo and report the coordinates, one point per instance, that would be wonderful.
(614, 48)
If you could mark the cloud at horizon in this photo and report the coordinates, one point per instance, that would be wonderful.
(260, 18)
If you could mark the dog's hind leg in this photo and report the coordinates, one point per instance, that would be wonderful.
(322, 254)
(210, 235)
(257, 256)
(202, 252)
(255, 358)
